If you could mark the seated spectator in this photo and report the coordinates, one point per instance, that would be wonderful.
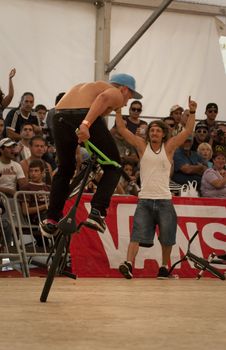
(188, 165)
(201, 135)
(125, 186)
(176, 112)
(214, 179)
(38, 149)
(218, 139)
(12, 176)
(16, 117)
(206, 152)
(5, 100)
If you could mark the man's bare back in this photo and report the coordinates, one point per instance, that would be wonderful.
(83, 95)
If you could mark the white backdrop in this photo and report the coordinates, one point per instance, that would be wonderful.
(51, 43)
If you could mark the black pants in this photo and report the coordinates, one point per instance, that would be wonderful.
(64, 125)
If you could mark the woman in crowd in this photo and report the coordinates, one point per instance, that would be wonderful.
(213, 182)
(205, 150)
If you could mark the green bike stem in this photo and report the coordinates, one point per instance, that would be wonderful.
(103, 159)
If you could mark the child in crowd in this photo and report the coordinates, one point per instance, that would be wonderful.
(36, 205)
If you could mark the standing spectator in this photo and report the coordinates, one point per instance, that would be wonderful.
(38, 149)
(5, 100)
(176, 112)
(201, 135)
(214, 179)
(26, 133)
(133, 121)
(36, 206)
(155, 206)
(170, 122)
(17, 117)
(184, 117)
(211, 114)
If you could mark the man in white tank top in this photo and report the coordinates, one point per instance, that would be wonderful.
(154, 208)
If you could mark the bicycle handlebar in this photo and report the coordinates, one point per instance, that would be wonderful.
(103, 159)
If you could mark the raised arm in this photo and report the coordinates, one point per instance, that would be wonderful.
(179, 139)
(134, 140)
(8, 98)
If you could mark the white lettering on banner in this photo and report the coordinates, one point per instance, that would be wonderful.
(200, 211)
(126, 210)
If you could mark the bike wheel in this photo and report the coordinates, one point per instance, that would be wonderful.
(53, 268)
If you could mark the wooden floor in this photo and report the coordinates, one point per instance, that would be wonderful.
(96, 314)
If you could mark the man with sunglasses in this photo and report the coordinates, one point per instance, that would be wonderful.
(201, 135)
(211, 114)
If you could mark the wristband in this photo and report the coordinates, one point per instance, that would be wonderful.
(192, 112)
(86, 123)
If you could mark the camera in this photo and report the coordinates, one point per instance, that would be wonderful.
(220, 133)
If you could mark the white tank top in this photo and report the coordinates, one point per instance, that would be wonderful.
(155, 174)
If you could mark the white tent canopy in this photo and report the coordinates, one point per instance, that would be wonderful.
(52, 45)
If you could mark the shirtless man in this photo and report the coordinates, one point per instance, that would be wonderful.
(83, 108)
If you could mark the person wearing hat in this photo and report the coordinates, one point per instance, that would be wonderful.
(201, 135)
(188, 164)
(12, 176)
(176, 112)
(155, 207)
(211, 114)
(82, 109)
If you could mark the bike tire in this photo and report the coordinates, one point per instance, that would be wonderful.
(52, 270)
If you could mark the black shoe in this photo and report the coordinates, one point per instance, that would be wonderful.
(163, 273)
(95, 221)
(126, 270)
(48, 229)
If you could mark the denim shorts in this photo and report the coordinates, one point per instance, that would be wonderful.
(150, 214)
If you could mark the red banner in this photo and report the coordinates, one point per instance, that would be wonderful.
(99, 255)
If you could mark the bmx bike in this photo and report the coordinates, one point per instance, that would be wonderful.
(68, 225)
(201, 263)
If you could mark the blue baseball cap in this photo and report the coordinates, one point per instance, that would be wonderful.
(126, 80)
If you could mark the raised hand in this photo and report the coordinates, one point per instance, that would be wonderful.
(12, 73)
(192, 105)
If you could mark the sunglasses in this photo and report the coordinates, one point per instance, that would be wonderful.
(202, 131)
(136, 109)
(212, 111)
(171, 125)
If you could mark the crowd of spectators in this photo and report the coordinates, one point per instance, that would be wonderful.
(26, 135)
